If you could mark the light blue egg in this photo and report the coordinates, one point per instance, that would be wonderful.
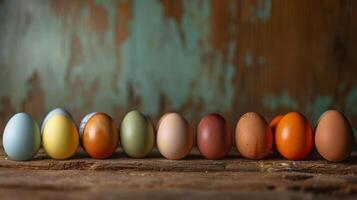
(57, 111)
(21, 138)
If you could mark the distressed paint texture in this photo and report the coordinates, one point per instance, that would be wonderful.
(193, 57)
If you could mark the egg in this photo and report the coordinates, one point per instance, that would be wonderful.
(214, 137)
(274, 122)
(293, 136)
(21, 137)
(60, 137)
(174, 136)
(254, 137)
(334, 136)
(137, 134)
(99, 135)
(56, 111)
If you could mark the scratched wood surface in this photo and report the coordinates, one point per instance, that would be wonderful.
(193, 178)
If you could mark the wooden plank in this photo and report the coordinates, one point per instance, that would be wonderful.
(193, 178)
(193, 163)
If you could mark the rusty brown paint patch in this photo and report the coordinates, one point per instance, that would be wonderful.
(98, 17)
(122, 27)
(223, 20)
(34, 100)
(134, 101)
(122, 22)
(173, 9)
(6, 111)
(90, 93)
(97, 20)
(76, 56)
(64, 8)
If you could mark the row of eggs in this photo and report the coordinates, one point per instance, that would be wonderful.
(254, 137)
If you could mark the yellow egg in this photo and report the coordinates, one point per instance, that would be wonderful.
(60, 137)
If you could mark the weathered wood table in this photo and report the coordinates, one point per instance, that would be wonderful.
(193, 178)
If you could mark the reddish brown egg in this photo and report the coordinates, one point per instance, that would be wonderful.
(254, 138)
(214, 137)
(334, 137)
(99, 135)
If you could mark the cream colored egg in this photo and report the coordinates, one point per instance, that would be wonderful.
(174, 136)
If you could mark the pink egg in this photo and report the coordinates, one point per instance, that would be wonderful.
(174, 136)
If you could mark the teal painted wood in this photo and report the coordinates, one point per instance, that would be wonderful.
(193, 57)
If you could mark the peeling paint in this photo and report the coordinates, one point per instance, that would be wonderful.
(192, 57)
(351, 101)
(261, 60)
(172, 62)
(273, 102)
(104, 57)
(318, 106)
(262, 11)
(248, 59)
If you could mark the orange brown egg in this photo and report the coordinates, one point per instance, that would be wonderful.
(274, 122)
(293, 136)
(99, 135)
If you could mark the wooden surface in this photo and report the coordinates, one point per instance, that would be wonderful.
(192, 178)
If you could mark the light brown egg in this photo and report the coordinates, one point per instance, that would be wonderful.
(254, 137)
(174, 136)
(334, 137)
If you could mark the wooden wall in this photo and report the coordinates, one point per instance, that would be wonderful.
(194, 57)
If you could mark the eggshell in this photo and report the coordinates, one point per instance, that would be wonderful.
(254, 138)
(56, 111)
(293, 136)
(137, 134)
(21, 137)
(98, 134)
(274, 122)
(334, 137)
(174, 136)
(214, 137)
(60, 136)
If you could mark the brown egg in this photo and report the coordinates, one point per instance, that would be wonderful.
(99, 135)
(254, 138)
(334, 137)
(174, 136)
(214, 137)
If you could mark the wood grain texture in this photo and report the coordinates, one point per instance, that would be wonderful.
(193, 57)
(192, 178)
